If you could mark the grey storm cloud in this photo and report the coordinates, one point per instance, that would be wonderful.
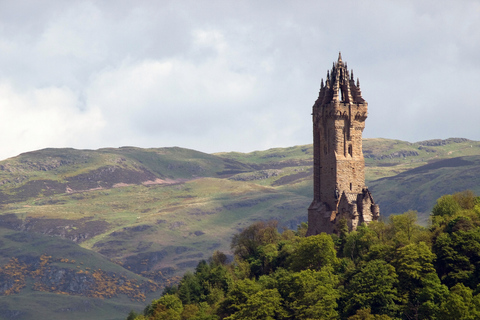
(230, 75)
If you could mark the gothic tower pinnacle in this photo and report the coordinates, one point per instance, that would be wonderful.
(339, 189)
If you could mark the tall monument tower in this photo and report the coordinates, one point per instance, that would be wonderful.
(339, 168)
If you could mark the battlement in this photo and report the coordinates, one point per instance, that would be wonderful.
(357, 112)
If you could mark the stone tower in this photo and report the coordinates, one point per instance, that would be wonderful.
(339, 168)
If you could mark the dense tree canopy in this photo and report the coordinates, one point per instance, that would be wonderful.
(390, 269)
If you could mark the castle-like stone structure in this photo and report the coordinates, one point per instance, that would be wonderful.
(339, 168)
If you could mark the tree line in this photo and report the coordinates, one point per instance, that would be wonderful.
(390, 269)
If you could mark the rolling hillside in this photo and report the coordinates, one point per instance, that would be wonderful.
(145, 216)
(419, 188)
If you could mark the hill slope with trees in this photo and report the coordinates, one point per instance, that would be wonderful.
(393, 269)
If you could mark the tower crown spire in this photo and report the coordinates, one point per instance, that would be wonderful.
(340, 85)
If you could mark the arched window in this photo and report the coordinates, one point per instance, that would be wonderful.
(350, 150)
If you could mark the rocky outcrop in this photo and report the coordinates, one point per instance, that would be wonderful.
(256, 175)
(74, 230)
(46, 276)
(107, 177)
(397, 154)
(440, 142)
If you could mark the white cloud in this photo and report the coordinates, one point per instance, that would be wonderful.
(46, 117)
(230, 75)
(173, 99)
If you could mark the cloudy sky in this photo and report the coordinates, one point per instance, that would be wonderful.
(230, 75)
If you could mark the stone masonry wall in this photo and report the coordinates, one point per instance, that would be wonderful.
(339, 116)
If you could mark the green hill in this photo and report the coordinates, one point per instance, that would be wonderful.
(154, 213)
(141, 213)
(418, 188)
(54, 277)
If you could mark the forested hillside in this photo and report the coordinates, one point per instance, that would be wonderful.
(393, 269)
(101, 232)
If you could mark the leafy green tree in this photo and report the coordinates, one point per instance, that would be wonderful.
(380, 229)
(240, 268)
(307, 294)
(476, 207)
(418, 281)
(365, 314)
(445, 207)
(209, 282)
(219, 258)
(238, 296)
(285, 249)
(460, 304)
(302, 229)
(374, 287)
(463, 203)
(202, 311)
(459, 223)
(342, 236)
(190, 290)
(412, 263)
(430, 296)
(168, 307)
(132, 315)
(357, 243)
(268, 257)
(404, 228)
(263, 305)
(458, 257)
(213, 276)
(256, 244)
(189, 311)
(170, 290)
(465, 199)
(313, 252)
(310, 294)
(247, 243)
